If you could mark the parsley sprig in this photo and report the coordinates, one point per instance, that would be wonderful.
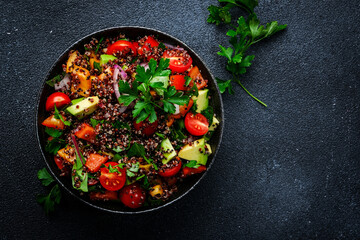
(48, 201)
(243, 35)
(155, 78)
(57, 115)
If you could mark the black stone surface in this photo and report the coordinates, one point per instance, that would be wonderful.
(290, 171)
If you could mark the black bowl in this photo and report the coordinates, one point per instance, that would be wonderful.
(131, 32)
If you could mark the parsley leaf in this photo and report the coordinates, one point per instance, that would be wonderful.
(209, 114)
(146, 184)
(49, 201)
(45, 177)
(98, 46)
(162, 46)
(97, 66)
(192, 164)
(140, 177)
(132, 170)
(136, 150)
(223, 85)
(187, 80)
(55, 145)
(57, 115)
(114, 169)
(219, 14)
(53, 132)
(55, 79)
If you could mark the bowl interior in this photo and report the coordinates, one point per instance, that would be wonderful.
(132, 33)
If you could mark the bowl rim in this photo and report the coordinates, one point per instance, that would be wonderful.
(119, 28)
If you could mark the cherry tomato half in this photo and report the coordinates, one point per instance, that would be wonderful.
(132, 196)
(177, 63)
(112, 181)
(191, 171)
(171, 171)
(52, 122)
(122, 46)
(147, 128)
(196, 125)
(61, 100)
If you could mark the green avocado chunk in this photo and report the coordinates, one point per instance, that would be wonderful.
(214, 124)
(202, 100)
(164, 80)
(104, 58)
(197, 150)
(84, 107)
(168, 150)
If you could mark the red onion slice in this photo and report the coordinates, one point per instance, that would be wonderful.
(115, 84)
(177, 109)
(145, 65)
(77, 148)
(107, 115)
(173, 47)
(64, 84)
(123, 75)
(122, 109)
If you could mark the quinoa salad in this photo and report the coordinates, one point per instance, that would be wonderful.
(129, 120)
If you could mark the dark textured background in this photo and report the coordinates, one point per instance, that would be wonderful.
(289, 171)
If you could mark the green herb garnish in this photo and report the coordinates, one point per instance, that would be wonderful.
(156, 78)
(57, 115)
(54, 197)
(132, 170)
(244, 34)
(192, 164)
(98, 46)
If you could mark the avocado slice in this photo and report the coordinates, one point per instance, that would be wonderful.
(196, 151)
(104, 58)
(202, 100)
(168, 150)
(75, 101)
(84, 107)
(214, 124)
(164, 80)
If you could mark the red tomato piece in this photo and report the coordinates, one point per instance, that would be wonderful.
(196, 77)
(151, 41)
(147, 128)
(58, 98)
(94, 162)
(86, 132)
(132, 196)
(177, 63)
(112, 181)
(106, 196)
(59, 162)
(52, 122)
(136, 45)
(178, 81)
(171, 171)
(191, 171)
(144, 49)
(196, 125)
(185, 108)
(121, 46)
